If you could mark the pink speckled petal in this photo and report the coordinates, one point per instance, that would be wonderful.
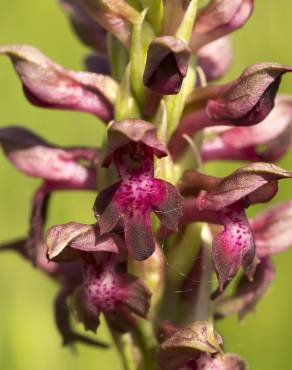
(234, 246)
(84, 311)
(118, 296)
(136, 302)
(62, 319)
(227, 361)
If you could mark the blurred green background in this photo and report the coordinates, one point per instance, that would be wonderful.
(28, 339)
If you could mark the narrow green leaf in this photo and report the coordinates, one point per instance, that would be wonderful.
(155, 13)
(175, 103)
(119, 57)
(185, 29)
(164, 167)
(126, 106)
(142, 35)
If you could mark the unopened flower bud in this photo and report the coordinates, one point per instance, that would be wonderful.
(116, 16)
(47, 84)
(188, 343)
(167, 65)
(219, 18)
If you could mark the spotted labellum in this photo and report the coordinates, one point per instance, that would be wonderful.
(151, 79)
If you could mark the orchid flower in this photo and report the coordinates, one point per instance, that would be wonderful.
(68, 276)
(118, 295)
(227, 198)
(132, 145)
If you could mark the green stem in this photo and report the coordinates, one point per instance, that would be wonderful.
(155, 13)
(175, 103)
(182, 251)
(199, 307)
(127, 349)
(147, 343)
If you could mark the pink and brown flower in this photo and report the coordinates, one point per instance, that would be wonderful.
(132, 145)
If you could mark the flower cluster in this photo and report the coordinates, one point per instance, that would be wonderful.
(147, 79)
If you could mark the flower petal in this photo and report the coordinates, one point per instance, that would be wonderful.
(96, 63)
(138, 235)
(241, 184)
(67, 241)
(234, 246)
(62, 318)
(118, 296)
(136, 301)
(123, 133)
(245, 101)
(47, 84)
(215, 58)
(167, 207)
(250, 98)
(106, 210)
(267, 130)
(84, 311)
(241, 142)
(278, 147)
(89, 32)
(272, 229)
(116, 16)
(263, 194)
(247, 293)
(34, 157)
(227, 361)
(242, 102)
(187, 343)
(218, 18)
